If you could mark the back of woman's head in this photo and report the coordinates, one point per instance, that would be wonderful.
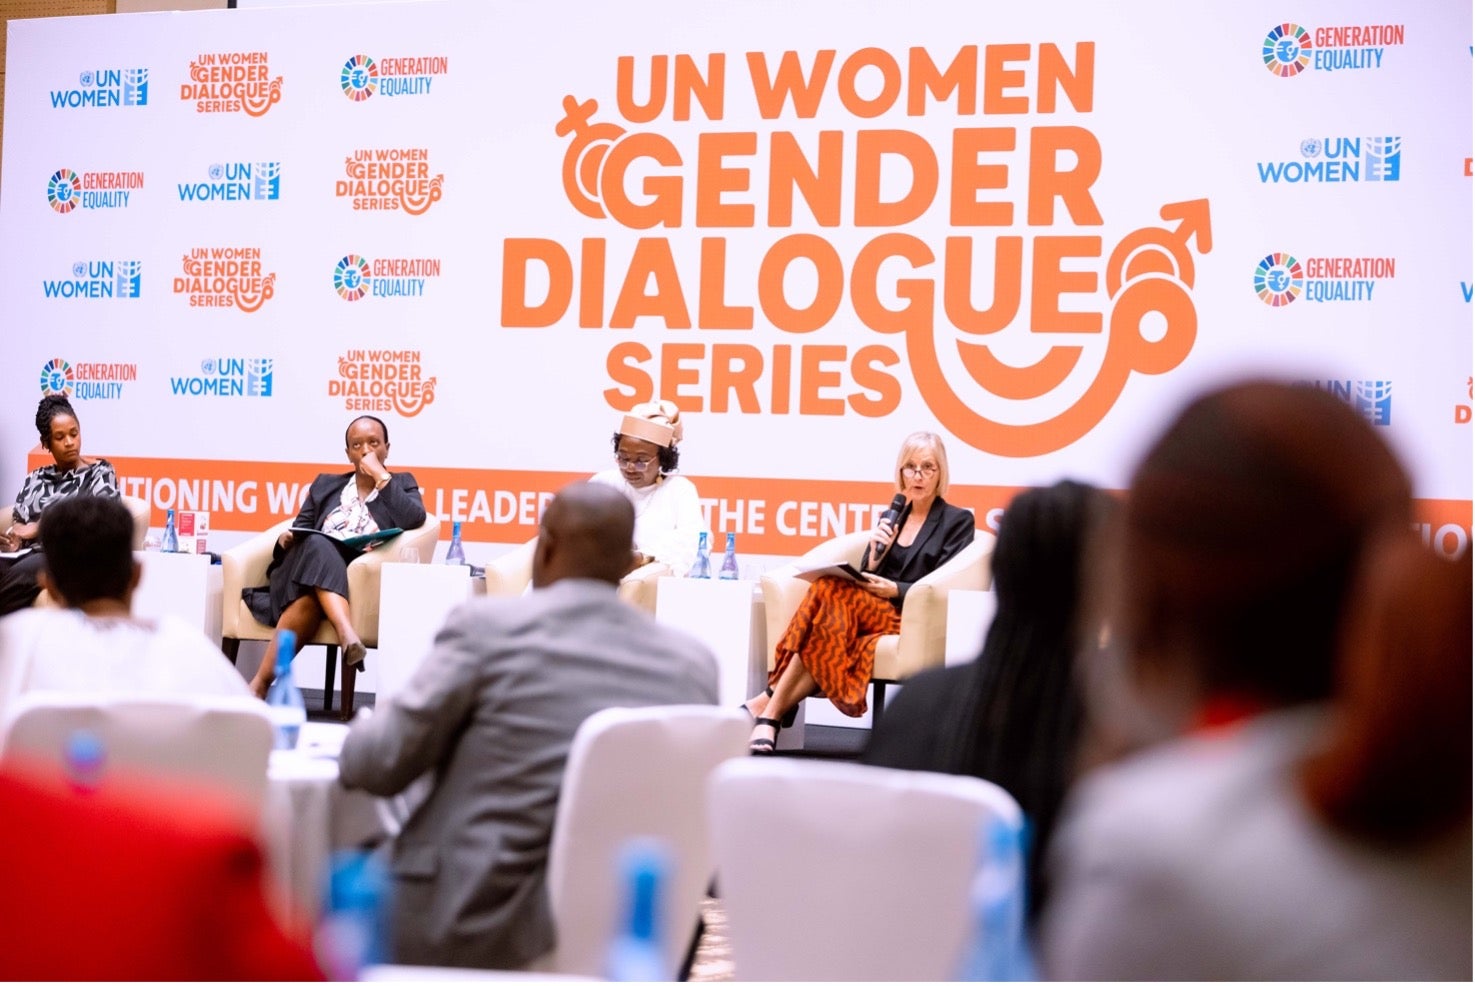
(1241, 532)
(1039, 557)
(1397, 761)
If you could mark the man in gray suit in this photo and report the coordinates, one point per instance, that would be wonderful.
(492, 711)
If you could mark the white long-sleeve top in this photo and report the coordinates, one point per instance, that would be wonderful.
(668, 518)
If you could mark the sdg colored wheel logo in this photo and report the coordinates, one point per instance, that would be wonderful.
(351, 277)
(64, 190)
(1287, 50)
(56, 378)
(359, 78)
(1279, 279)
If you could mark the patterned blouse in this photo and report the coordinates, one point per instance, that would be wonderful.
(48, 483)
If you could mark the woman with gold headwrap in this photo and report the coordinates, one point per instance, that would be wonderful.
(668, 513)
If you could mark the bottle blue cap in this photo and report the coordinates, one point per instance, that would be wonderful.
(286, 647)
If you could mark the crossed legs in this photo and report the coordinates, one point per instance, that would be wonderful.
(794, 685)
(303, 616)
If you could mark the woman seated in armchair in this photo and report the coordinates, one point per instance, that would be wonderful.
(830, 643)
(308, 576)
(668, 513)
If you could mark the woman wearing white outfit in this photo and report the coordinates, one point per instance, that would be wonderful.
(668, 512)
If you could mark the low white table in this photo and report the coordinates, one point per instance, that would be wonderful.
(183, 586)
(309, 815)
(727, 616)
(414, 601)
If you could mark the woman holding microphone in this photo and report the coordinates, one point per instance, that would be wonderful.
(830, 643)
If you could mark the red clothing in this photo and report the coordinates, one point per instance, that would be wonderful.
(134, 881)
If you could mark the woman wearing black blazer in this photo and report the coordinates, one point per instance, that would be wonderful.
(308, 576)
(830, 643)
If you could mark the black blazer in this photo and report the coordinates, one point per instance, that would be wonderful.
(397, 505)
(946, 531)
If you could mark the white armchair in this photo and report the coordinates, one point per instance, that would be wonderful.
(137, 507)
(511, 573)
(245, 566)
(922, 642)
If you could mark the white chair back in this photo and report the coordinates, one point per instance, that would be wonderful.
(845, 872)
(635, 773)
(218, 742)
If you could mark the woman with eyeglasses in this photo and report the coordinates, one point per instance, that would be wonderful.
(830, 643)
(668, 513)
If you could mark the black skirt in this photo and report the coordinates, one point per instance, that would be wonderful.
(312, 562)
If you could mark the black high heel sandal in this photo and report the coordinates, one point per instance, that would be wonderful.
(788, 719)
(765, 747)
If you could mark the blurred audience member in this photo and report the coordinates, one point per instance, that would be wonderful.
(1013, 716)
(491, 713)
(94, 643)
(135, 881)
(1280, 822)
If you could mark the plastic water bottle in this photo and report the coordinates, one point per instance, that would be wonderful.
(999, 950)
(638, 954)
(284, 698)
(170, 541)
(85, 757)
(355, 927)
(702, 567)
(455, 554)
(729, 569)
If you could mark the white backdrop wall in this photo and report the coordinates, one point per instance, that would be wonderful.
(1034, 228)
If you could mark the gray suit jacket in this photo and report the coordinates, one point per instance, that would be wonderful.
(493, 711)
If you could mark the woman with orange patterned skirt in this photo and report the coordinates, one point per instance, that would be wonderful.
(830, 643)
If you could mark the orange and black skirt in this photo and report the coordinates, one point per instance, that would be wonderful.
(834, 632)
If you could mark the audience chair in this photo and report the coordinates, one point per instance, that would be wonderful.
(635, 773)
(922, 642)
(245, 565)
(137, 507)
(210, 742)
(511, 573)
(842, 872)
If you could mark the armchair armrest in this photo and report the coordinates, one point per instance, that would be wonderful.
(783, 591)
(242, 567)
(638, 587)
(510, 573)
(364, 572)
(923, 638)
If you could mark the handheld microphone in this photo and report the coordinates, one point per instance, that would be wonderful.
(892, 514)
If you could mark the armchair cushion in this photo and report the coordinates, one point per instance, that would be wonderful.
(923, 637)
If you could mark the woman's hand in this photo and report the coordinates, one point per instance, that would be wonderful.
(371, 467)
(881, 539)
(15, 537)
(285, 541)
(877, 586)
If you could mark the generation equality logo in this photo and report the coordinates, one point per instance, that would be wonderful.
(363, 77)
(226, 377)
(354, 276)
(1326, 160)
(68, 190)
(1280, 278)
(98, 279)
(105, 87)
(86, 381)
(1290, 49)
(236, 181)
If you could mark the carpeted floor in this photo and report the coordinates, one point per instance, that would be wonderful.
(713, 962)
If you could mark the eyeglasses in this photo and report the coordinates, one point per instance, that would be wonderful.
(926, 469)
(637, 463)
